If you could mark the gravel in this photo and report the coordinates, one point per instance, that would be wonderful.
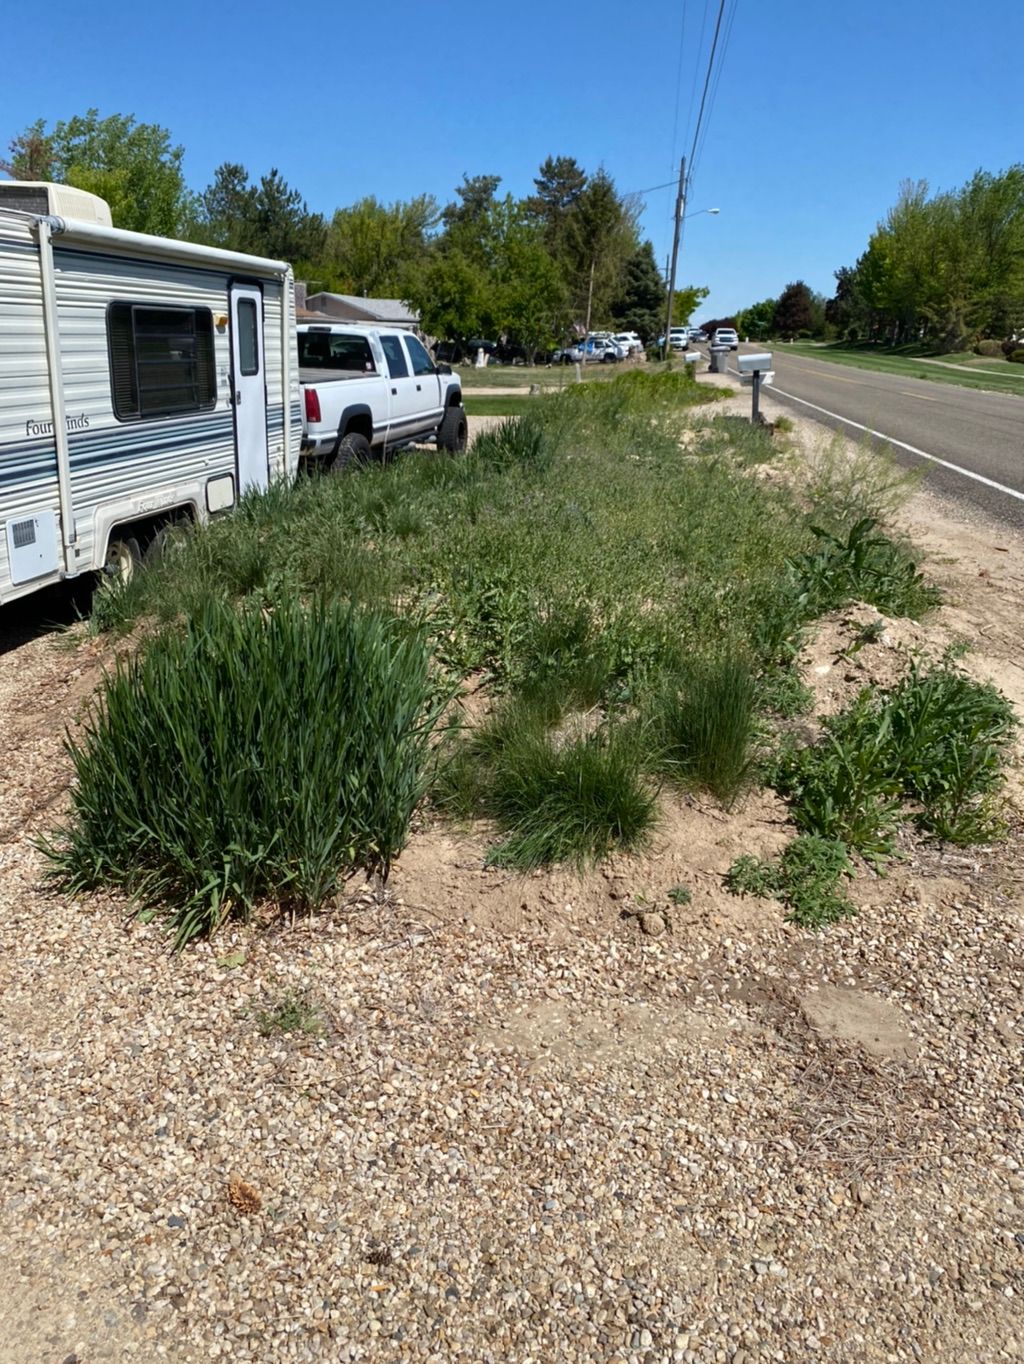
(635, 1145)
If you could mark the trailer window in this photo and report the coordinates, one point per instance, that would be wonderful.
(161, 360)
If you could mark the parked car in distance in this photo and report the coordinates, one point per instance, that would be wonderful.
(698, 335)
(726, 336)
(569, 354)
(630, 340)
(606, 351)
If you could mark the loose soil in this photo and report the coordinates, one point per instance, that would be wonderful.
(553, 1117)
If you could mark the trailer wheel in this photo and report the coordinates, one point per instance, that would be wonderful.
(352, 451)
(123, 558)
(453, 433)
(167, 541)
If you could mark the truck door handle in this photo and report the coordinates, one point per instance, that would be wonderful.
(394, 391)
(238, 397)
(418, 387)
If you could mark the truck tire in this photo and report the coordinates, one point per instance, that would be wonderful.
(352, 451)
(453, 433)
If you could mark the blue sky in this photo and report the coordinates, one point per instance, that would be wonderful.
(823, 107)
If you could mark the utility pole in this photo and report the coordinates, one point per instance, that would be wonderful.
(680, 206)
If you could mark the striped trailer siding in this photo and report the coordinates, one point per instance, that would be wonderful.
(28, 462)
(122, 472)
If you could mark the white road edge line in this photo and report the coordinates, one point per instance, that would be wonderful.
(902, 444)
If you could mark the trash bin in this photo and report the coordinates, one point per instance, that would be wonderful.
(719, 355)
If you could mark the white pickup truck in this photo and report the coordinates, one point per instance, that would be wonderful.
(372, 390)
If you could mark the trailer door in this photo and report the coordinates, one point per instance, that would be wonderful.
(249, 389)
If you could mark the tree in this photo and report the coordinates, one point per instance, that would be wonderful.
(758, 320)
(794, 311)
(530, 301)
(269, 219)
(640, 306)
(227, 209)
(600, 237)
(559, 184)
(133, 166)
(374, 248)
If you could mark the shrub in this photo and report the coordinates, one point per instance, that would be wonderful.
(1016, 357)
(988, 347)
(702, 724)
(250, 756)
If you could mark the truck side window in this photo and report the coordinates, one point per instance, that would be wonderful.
(397, 366)
(421, 361)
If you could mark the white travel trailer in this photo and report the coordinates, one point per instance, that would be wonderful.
(142, 380)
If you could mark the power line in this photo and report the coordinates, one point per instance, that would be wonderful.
(715, 85)
(707, 79)
(696, 66)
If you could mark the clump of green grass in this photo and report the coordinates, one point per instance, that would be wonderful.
(701, 726)
(680, 895)
(573, 802)
(808, 879)
(518, 442)
(294, 1012)
(250, 756)
(570, 796)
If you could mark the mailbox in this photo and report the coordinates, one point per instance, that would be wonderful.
(754, 364)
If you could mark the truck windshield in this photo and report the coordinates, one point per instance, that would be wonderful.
(329, 351)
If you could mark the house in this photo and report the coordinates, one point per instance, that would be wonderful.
(386, 312)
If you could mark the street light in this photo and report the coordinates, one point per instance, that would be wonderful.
(700, 211)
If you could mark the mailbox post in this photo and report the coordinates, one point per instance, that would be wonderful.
(755, 370)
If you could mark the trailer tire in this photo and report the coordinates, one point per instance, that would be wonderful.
(167, 541)
(351, 451)
(453, 433)
(123, 558)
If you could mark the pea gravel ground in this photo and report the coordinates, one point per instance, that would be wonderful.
(719, 1139)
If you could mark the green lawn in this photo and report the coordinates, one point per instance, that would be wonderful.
(551, 378)
(505, 405)
(1008, 379)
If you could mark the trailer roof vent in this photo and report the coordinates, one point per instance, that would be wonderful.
(60, 201)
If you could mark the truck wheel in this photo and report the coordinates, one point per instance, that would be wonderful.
(123, 558)
(352, 451)
(453, 433)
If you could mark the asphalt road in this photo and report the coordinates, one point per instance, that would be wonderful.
(981, 434)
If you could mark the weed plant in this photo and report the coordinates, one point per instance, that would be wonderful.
(808, 878)
(251, 755)
(294, 1012)
(862, 565)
